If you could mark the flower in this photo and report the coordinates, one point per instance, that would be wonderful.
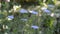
(7, 0)
(33, 12)
(23, 11)
(5, 27)
(43, 8)
(34, 27)
(53, 0)
(52, 15)
(24, 19)
(47, 11)
(15, 7)
(40, 32)
(44, 0)
(10, 17)
(6, 33)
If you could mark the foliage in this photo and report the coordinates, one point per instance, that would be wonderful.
(23, 18)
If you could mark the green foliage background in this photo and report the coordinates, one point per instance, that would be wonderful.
(17, 26)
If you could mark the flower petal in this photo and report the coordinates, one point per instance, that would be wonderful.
(10, 17)
(23, 11)
(43, 8)
(35, 27)
(47, 11)
(33, 12)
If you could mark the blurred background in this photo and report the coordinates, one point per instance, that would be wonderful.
(29, 16)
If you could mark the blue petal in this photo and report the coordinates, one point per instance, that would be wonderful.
(47, 11)
(35, 27)
(23, 11)
(34, 12)
(43, 8)
(11, 17)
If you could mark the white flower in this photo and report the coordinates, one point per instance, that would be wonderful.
(10, 11)
(33, 12)
(5, 26)
(23, 11)
(10, 17)
(44, 0)
(52, 0)
(52, 14)
(34, 27)
(40, 32)
(7, 0)
(15, 7)
(5, 33)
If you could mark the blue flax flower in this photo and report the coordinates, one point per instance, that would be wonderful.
(11, 17)
(23, 11)
(47, 11)
(33, 12)
(34, 27)
(43, 8)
